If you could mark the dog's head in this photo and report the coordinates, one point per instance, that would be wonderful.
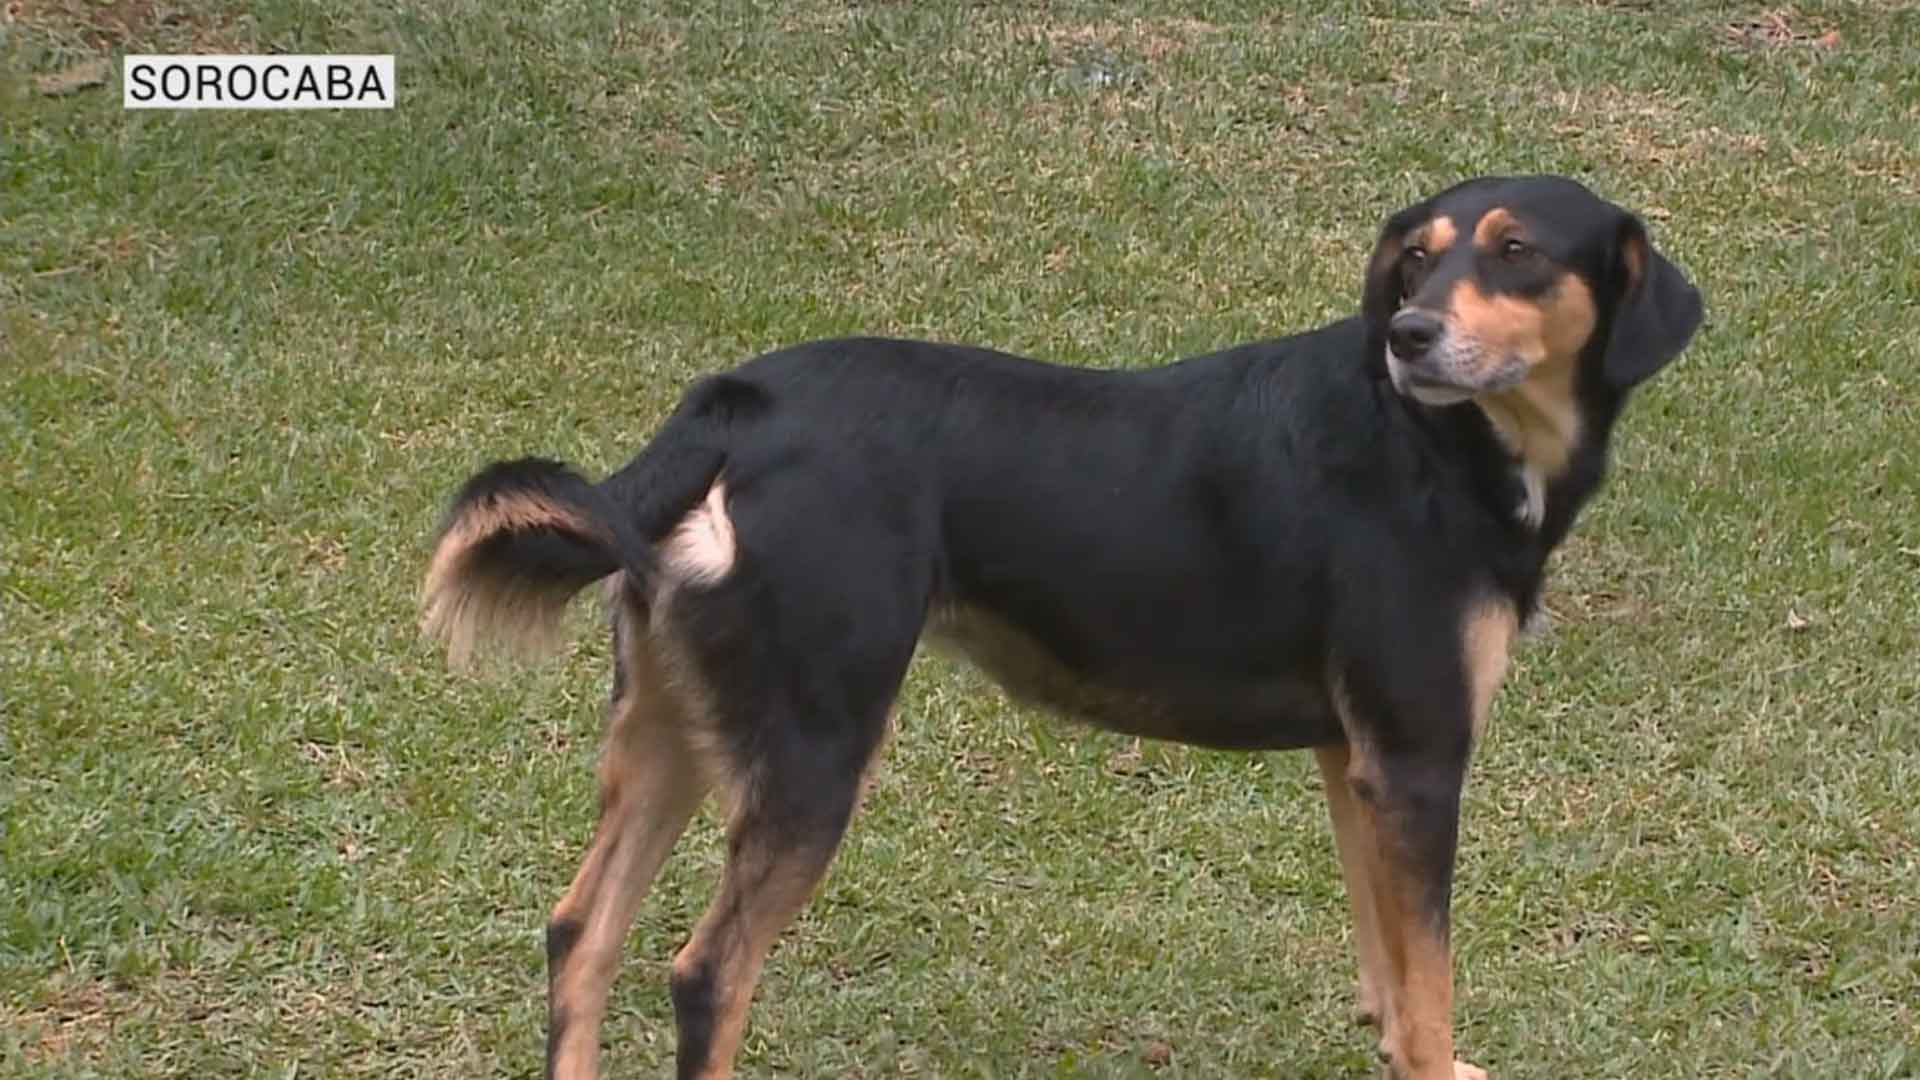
(1500, 281)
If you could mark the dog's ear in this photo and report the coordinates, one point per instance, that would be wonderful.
(1380, 294)
(1657, 312)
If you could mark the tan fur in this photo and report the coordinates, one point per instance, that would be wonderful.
(680, 674)
(1412, 984)
(1418, 1040)
(771, 874)
(761, 890)
(1406, 980)
(1493, 228)
(1486, 637)
(651, 781)
(1437, 235)
(701, 549)
(465, 611)
(1538, 333)
(1352, 839)
(1539, 419)
(1027, 671)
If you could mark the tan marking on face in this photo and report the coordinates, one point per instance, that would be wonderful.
(1486, 637)
(1494, 226)
(1538, 419)
(1570, 316)
(1502, 326)
(1437, 235)
(701, 549)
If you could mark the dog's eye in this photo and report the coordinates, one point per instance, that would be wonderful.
(1515, 249)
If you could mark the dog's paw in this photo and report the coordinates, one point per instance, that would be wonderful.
(1464, 1071)
(1537, 624)
(1366, 1007)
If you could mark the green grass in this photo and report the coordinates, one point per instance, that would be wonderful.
(249, 823)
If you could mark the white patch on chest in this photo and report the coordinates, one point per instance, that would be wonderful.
(1532, 509)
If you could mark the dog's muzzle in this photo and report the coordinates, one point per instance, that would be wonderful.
(1436, 365)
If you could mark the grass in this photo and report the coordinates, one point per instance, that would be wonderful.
(249, 823)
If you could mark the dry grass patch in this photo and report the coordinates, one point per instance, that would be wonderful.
(84, 26)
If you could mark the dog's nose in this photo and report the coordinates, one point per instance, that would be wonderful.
(1411, 333)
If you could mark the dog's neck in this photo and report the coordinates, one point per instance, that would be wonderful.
(1545, 441)
(1557, 446)
(1542, 450)
(1540, 426)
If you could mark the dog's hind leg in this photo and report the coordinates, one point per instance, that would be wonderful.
(784, 832)
(801, 639)
(651, 781)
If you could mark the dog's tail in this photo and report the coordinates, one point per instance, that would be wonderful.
(522, 537)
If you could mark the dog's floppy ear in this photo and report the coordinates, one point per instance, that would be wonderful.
(1657, 312)
(1380, 294)
(1381, 291)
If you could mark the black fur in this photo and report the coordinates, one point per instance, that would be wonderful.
(1658, 314)
(538, 557)
(562, 936)
(1268, 546)
(695, 1017)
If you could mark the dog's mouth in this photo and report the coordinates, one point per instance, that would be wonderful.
(1420, 384)
(1452, 371)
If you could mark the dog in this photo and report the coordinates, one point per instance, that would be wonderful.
(1325, 541)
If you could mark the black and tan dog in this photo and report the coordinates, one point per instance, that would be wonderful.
(1321, 541)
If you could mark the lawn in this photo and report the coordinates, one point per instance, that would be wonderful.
(250, 824)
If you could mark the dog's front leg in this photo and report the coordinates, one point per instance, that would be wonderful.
(1353, 839)
(1396, 821)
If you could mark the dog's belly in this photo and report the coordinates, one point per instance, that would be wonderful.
(1277, 713)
